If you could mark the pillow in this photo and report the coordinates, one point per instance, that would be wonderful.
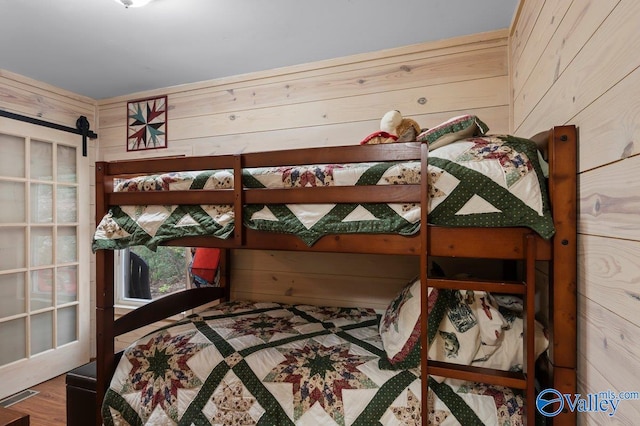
(461, 127)
(509, 354)
(458, 339)
(400, 325)
(510, 302)
(490, 320)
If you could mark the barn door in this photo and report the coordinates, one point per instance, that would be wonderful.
(44, 254)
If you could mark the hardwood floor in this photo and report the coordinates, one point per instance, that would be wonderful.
(48, 407)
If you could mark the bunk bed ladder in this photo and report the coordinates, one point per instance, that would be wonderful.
(524, 381)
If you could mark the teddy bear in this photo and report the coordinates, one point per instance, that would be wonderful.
(393, 128)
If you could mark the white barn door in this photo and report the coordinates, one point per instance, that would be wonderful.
(44, 254)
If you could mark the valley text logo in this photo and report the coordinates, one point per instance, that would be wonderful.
(551, 402)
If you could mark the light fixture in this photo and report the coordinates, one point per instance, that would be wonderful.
(133, 3)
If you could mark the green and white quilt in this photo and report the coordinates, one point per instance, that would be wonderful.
(243, 363)
(488, 181)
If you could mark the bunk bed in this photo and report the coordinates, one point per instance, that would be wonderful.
(550, 238)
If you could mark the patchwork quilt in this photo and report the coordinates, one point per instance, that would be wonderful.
(488, 181)
(243, 363)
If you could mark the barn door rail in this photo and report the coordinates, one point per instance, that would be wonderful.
(82, 126)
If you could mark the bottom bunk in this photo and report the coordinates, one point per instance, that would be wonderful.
(270, 363)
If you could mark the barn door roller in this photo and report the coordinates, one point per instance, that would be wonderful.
(82, 126)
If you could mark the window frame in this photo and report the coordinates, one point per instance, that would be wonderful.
(121, 261)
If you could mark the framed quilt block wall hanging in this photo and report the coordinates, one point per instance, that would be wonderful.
(147, 124)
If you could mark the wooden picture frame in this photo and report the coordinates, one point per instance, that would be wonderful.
(147, 123)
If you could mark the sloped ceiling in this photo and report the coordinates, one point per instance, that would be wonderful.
(99, 49)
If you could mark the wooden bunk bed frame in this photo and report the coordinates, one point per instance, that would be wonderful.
(514, 244)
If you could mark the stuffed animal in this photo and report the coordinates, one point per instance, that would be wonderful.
(393, 128)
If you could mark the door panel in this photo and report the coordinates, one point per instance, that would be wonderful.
(44, 254)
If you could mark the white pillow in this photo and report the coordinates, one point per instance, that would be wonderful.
(456, 128)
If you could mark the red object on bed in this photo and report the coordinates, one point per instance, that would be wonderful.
(381, 134)
(205, 263)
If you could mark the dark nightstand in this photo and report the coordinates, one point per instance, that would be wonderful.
(81, 395)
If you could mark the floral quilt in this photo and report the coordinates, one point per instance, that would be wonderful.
(488, 181)
(243, 363)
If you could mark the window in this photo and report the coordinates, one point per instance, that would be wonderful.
(143, 274)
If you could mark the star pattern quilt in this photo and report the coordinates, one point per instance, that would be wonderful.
(488, 181)
(244, 363)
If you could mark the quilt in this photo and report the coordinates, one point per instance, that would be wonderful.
(488, 181)
(244, 363)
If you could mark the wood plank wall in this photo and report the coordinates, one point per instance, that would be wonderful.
(333, 102)
(25, 96)
(577, 62)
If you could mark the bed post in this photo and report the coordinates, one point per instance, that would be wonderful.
(105, 348)
(104, 303)
(225, 272)
(424, 288)
(563, 272)
(238, 200)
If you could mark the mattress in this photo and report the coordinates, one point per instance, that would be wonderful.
(270, 363)
(488, 181)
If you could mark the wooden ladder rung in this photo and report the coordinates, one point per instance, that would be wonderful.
(478, 285)
(510, 379)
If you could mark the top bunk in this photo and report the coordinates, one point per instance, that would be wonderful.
(484, 194)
